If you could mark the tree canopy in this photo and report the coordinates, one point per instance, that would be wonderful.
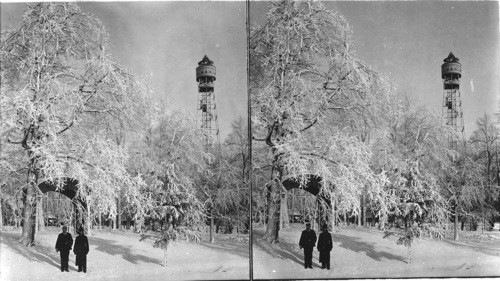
(308, 92)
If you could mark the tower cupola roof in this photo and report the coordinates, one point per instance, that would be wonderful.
(206, 61)
(451, 58)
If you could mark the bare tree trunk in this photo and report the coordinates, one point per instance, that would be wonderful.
(333, 214)
(363, 208)
(89, 221)
(74, 218)
(138, 224)
(455, 224)
(39, 225)
(29, 202)
(273, 214)
(284, 211)
(484, 221)
(212, 238)
(359, 217)
(315, 217)
(303, 211)
(119, 214)
(1, 214)
(165, 256)
(114, 223)
(37, 214)
(41, 216)
(99, 219)
(238, 223)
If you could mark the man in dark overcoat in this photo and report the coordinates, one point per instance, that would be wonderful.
(81, 249)
(63, 246)
(307, 242)
(325, 245)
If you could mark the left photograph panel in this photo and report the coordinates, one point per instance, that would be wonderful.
(123, 141)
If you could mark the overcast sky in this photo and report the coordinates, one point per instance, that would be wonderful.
(164, 41)
(408, 40)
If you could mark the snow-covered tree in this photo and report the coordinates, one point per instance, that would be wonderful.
(486, 140)
(171, 160)
(466, 188)
(306, 87)
(470, 182)
(232, 198)
(170, 157)
(411, 155)
(485, 145)
(59, 84)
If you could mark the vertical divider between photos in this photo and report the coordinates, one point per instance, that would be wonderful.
(249, 132)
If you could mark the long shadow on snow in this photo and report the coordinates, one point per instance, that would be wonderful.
(228, 246)
(488, 247)
(283, 249)
(113, 248)
(39, 252)
(355, 244)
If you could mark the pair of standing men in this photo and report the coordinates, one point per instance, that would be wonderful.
(325, 245)
(81, 249)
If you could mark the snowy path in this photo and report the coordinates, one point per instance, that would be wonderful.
(119, 255)
(363, 253)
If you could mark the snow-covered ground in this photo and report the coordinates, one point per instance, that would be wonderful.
(119, 255)
(357, 253)
(364, 253)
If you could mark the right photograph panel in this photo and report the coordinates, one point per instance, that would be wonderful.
(375, 139)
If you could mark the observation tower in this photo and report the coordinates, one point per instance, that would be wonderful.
(207, 114)
(451, 72)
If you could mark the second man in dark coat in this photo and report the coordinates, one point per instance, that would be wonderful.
(81, 250)
(307, 241)
(325, 245)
